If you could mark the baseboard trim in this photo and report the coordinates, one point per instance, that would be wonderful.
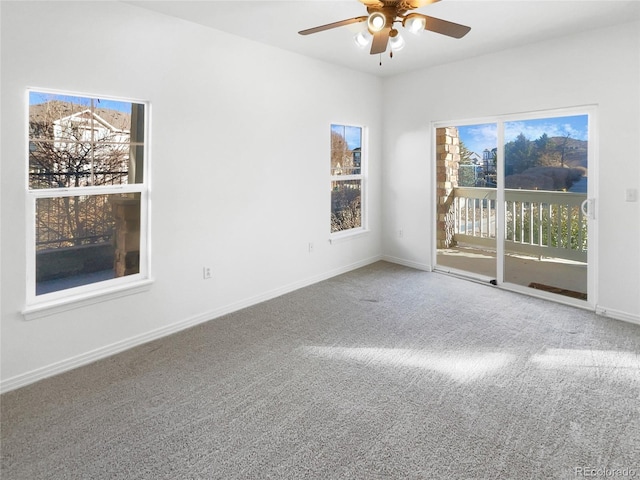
(62, 366)
(600, 310)
(618, 315)
(407, 263)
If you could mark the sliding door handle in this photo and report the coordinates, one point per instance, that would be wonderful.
(588, 208)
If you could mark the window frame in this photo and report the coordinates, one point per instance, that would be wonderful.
(338, 236)
(74, 297)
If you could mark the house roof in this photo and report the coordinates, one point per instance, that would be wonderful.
(113, 119)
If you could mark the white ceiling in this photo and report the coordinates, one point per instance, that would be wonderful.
(495, 25)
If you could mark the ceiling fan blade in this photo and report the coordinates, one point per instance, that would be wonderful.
(401, 4)
(444, 27)
(412, 4)
(380, 41)
(329, 26)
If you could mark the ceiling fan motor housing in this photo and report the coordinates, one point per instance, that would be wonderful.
(382, 14)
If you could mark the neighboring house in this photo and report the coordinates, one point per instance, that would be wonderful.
(70, 113)
(475, 158)
(71, 140)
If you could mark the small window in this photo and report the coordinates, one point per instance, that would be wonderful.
(87, 192)
(346, 178)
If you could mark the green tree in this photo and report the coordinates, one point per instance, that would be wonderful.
(542, 143)
(519, 155)
(466, 170)
(465, 154)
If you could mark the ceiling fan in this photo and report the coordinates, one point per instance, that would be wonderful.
(383, 14)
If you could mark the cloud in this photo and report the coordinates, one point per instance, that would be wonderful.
(533, 129)
(479, 137)
(485, 136)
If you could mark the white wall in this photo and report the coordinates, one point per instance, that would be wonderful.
(600, 67)
(240, 169)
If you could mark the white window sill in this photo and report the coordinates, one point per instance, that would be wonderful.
(347, 235)
(52, 307)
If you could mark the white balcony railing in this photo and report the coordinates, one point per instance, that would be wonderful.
(538, 223)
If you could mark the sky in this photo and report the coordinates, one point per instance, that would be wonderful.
(40, 97)
(353, 135)
(478, 137)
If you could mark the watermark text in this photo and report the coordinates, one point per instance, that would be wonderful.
(602, 472)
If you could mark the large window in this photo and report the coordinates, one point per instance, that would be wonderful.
(346, 178)
(87, 194)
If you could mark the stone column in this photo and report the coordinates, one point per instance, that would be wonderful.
(447, 164)
(126, 212)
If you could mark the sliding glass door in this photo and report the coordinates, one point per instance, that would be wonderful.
(515, 204)
(546, 172)
(466, 176)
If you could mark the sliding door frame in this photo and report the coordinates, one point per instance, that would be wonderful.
(592, 195)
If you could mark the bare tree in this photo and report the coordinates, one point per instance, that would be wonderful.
(341, 156)
(72, 146)
(563, 148)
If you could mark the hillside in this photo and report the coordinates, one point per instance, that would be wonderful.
(575, 154)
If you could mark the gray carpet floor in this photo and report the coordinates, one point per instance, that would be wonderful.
(381, 373)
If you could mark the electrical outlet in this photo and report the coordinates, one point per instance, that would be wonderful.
(310, 247)
(400, 233)
(631, 195)
(206, 273)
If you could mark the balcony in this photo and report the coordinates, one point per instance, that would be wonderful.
(545, 237)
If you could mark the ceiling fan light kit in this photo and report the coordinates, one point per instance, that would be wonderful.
(362, 39)
(382, 14)
(376, 21)
(396, 43)
(414, 23)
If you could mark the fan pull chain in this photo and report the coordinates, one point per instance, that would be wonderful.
(380, 59)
